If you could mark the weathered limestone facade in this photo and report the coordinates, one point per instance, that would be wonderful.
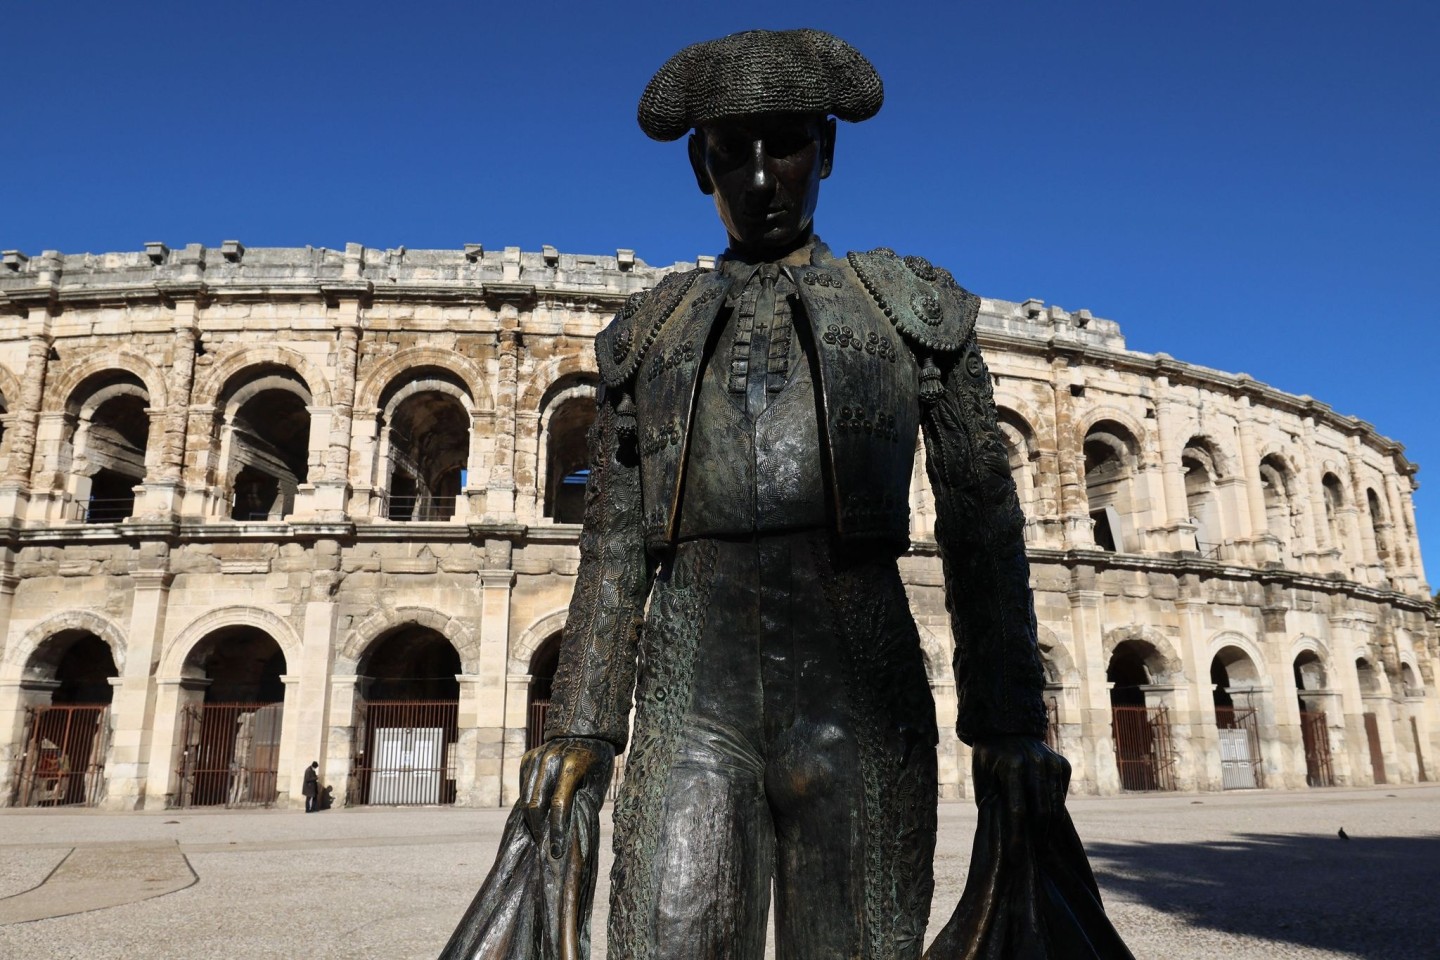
(276, 474)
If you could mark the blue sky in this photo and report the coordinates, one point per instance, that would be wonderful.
(1251, 186)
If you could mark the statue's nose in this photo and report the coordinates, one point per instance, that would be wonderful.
(759, 174)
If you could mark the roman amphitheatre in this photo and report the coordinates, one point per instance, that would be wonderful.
(264, 506)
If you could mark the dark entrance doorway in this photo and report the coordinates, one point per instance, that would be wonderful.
(230, 720)
(542, 676)
(1141, 733)
(1314, 732)
(407, 720)
(65, 741)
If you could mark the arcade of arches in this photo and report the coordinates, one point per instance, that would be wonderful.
(323, 505)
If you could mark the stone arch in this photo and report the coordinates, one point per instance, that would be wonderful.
(1239, 642)
(129, 362)
(551, 373)
(562, 449)
(395, 367)
(938, 668)
(1205, 448)
(1164, 663)
(1055, 657)
(363, 636)
(1095, 416)
(532, 638)
(233, 362)
(9, 388)
(178, 649)
(20, 654)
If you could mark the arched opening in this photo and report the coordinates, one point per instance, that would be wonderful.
(1236, 684)
(1277, 490)
(1202, 501)
(1020, 452)
(1111, 464)
(1378, 527)
(1310, 677)
(231, 711)
(1410, 681)
(407, 723)
(1369, 687)
(266, 443)
(1334, 500)
(425, 430)
(107, 429)
(1143, 747)
(542, 676)
(567, 460)
(67, 686)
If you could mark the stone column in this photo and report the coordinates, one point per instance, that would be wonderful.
(201, 465)
(1326, 557)
(133, 707)
(1088, 647)
(12, 685)
(25, 421)
(308, 701)
(1077, 530)
(332, 488)
(500, 493)
(164, 486)
(1266, 548)
(490, 691)
(1401, 561)
(339, 749)
(1177, 532)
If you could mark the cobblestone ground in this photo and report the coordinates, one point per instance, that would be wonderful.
(1186, 877)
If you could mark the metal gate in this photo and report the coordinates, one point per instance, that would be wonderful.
(535, 731)
(404, 752)
(1143, 751)
(230, 754)
(64, 759)
(1240, 767)
(1377, 758)
(1316, 737)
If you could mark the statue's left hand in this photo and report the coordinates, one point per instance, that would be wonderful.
(1030, 779)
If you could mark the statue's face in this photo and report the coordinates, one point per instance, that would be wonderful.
(764, 172)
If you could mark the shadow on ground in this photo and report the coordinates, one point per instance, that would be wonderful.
(1371, 896)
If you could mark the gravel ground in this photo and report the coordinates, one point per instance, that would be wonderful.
(1186, 877)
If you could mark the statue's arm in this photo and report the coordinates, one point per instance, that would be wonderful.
(595, 682)
(979, 529)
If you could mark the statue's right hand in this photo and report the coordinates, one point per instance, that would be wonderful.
(552, 774)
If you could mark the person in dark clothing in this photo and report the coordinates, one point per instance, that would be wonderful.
(311, 789)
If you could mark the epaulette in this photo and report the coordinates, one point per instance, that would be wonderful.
(621, 346)
(924, 302)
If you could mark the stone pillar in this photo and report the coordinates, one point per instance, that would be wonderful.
(500, 493)
(339, 744)
(332, 487)
(1077, 530)
(172, 694)
(199, 474)
(1088, 647)
(1196, 731)
(364, 445)
(25, 421)
(135, 720)
(1326, 556)
(305, 732)
(12, 685)
(490, 690)
(1266, 542)
(477, 465)
(517, 722)
(164, 486)
(1176, 531)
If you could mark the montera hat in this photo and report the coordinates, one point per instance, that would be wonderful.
(759, 71)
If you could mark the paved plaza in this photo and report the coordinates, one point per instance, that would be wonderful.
(1186, 877)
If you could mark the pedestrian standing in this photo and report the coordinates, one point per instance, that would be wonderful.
(311, 789)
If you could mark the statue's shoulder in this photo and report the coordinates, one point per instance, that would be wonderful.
(927, 306)
(621, 346)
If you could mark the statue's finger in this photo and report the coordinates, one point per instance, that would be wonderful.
(541, 790)
(572, 772)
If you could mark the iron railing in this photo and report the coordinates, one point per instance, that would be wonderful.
(1144, 753)
(1316, 738)
(404, 753)
(64, 759)
(419, 509)
(229, 755)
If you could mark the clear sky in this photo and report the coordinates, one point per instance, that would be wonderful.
(1251, 186)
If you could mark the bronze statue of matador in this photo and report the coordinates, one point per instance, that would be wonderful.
(748, 498)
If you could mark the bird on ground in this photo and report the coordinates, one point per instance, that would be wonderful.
(1343, 834)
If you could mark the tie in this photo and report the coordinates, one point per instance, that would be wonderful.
(757, 370)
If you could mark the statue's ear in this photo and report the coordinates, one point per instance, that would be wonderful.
(827, 149)
(697, 163)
